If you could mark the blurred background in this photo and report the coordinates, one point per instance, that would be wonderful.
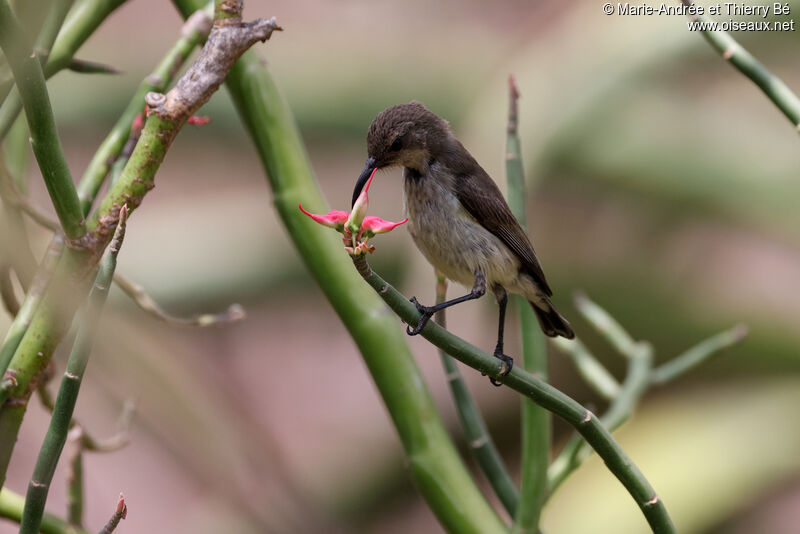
(662, 183)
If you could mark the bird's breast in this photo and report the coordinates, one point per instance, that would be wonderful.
(449, 237)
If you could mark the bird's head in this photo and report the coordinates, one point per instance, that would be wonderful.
(406, 135)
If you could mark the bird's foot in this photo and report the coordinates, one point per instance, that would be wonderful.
(509, 364)
(425, 314)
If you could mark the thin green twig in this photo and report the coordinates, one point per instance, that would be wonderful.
(773, 87)
(80, 23)
(41, 123)
(75, 477)
(536, 421)
(52, 25)
(479, 441)
(698, 354)
(591, 370)
(545, 395)
(57, 432)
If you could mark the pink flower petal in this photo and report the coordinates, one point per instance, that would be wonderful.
(375, 225)
(360, 206)
(334, 219)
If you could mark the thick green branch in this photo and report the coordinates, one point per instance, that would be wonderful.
(194, 30)
(41, 123)
(542, 393)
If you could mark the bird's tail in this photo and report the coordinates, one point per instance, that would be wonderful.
(552, 323)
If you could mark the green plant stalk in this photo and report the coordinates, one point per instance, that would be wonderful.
(607, 326)
(26, 313)
(75, 488)
(41, 123)
(52, 24)
(590, 369)
(697, 355)
(479, 441)
(67, 396)
(12, 504)
(776, 89)
(536, 421)
(158, 81)
(636, 383)
(436, 467)
(81, 22)
(542, 393)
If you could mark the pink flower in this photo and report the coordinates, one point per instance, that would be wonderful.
(356, 227)
(375, 225)
(334, 219)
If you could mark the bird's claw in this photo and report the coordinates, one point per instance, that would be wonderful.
(509, 364)
(425, 314)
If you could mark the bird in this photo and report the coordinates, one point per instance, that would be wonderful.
(458, 218)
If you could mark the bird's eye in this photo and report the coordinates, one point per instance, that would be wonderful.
(397, 144)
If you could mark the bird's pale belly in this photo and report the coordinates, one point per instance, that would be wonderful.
(452, 241)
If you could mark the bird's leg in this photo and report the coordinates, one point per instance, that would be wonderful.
(502, 301)
(426, 312)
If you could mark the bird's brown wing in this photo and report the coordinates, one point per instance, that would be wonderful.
(481, 197)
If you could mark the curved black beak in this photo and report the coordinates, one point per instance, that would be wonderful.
(365, 174)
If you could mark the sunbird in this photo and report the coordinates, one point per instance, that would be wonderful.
(458, 218)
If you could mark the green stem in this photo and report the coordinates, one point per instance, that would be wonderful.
(12, 504)
(636, 383)
(57, 432)
(772, 86)
(195, 30)
(80, 23)
(536, 421)
(75, 476)
(697, 354)
(542, 393)
(591, 370)
(52, 24)
(607, 326)
(41, 123)
(480, 442)
(26, 313)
